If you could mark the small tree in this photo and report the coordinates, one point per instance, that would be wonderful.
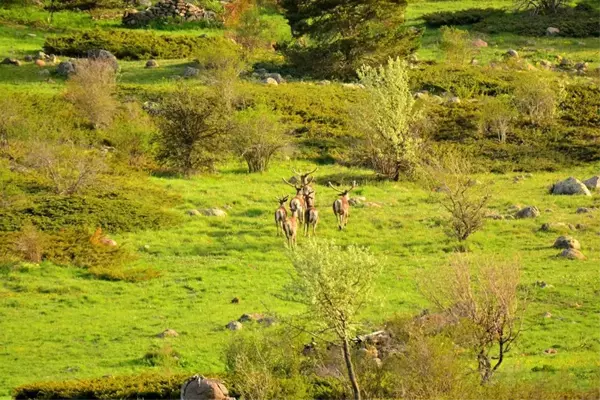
(259, 134)
(541, 6)
(463, 198)
(456, 45)
(487, 303)
(92, 90)
(497, 115)
(537, 96)
(390, 120)
(336, 284)
(193, 128)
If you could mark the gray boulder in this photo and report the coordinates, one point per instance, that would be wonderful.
(190, 72)
(104, 55)
(193, 213)
(557, 227)
(528, 212)
(65, 68)
(512, 53)
(151, 64)
(213, 212)
(572, 254)
(551, 31)
(270, 81)
(11, 61)
(278, 78)
(198, 387)
(566, 242)
(570, 186)
(234, 326)
(593, 183)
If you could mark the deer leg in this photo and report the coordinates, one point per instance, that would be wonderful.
(315, 228)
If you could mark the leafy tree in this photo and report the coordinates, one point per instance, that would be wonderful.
(192, 130)
(542, 6)
(390, 119)
(333, 38)
(336, 283)
(259, 134)
(497, 115)
(456, 45)
(538, 97)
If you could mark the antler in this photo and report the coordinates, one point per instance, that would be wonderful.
(300, 174)
(353, 186)
(291, 184)
(334, 188)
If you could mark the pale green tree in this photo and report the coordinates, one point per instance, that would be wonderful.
(497, 116)
(336, 283)
(456, 44)
(390, 120)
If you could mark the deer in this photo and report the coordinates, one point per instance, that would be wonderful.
(311, 215)
(297, 202)
(305, 180)
(291, 228)
(341, 207)
(281, 214)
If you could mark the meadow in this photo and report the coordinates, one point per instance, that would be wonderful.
(61, 322)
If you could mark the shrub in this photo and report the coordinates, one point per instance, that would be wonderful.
(457, 18)
(92, 90)
(147, 385)
(133, 45)
(497, 115)
(30, 244)
(60, 5)
(580, 105)
(537, 96)
(456, 45)
(192, 131)
(258, 135)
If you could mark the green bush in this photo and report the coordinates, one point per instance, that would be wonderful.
(462, 81)
(146, 386)
(581, 105)
(132, 45)
(462, 17)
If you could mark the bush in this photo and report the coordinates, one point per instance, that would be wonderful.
(132, 45)
(497, 116)
(147, 386)
(456, 45)
(30, 244)
(538, 96)
(84, 5)
(580, 105)
(457, 18)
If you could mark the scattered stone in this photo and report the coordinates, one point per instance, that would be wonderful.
(551, 31)
(234, 326)
(556, 226)
(545, 64)
(200, 388)
(28, 58)
(353, 85)
(454, 100)
(40, 55)
(541, 284)
(11, 61)
(324, 83)
(190, 72)
(105, 240)
(593, 183)
(570, 186)
(581, 66)
(277, 77)
(44, 73)
(548, 314)
(357, 200)
(40, 63)
(104, 55)
(566, 242)
(528, 212)
(474, 61)
(422, 95)
(572, 254)
(250, 317)
(65, 68)
(151, 64)
(167, 9)
(167, 333)
(31, 35)
(583, 210)
(581, 227)
(493, 215)
(270, 81)
(512, 53)
(550, 351)
(213, 212)
(193, 213)
(479, 43)
(235, 300)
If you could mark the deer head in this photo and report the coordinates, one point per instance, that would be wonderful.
(343, 193)
(305, 178)
(282, 200)
(298, 188)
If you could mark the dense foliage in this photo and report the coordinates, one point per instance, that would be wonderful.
(131, 44)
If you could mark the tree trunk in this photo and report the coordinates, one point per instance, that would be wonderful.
(351, 374)
(485, 368)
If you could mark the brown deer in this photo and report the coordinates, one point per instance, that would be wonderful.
(305, 180)
(297, 202)
(341, 207)
(281, 214)
(291, 228)
(311, 215)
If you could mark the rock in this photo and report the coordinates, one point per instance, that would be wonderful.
(566, 242)
(28, 58)
(190, 72)
(583, 210)
(270, 81)
(572, 254)
(11, 61)
(213, 212)
(474, 61)
(40, 63)
(372, 204)
(277, 77)
(44, 73)
(548, 314)
(106, 241)
(581, 227)
(528, 212)
(570, 186)
(593, 183)
(234, 326)
(324, 83)
(422, 95)
(250, 317)
(581, 66)
(565, 62)
(493, 215)
(200, 388)
(551, 31)
(151, 64)
(31, 35)
(545, 64)
(193, 213)
(550, 351)
(556, 226)
(143, 3)
(512, 53)
(235, 300)
(542, 284)
(167, 333)
(40, 55)
(65, 68)
(354, 201)
(104, 55)
(479, 43)
(52, 59)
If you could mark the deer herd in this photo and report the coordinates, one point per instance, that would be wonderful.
(303, 208)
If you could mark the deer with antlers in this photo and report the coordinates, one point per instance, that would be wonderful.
(291, 228)
(305, 180)
(311, 215)
(341, 207)
(297, 203)
(281, 214)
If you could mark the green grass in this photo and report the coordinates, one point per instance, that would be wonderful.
(58, 323)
